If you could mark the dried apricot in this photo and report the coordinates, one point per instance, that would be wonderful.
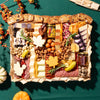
(52, 44)
(53, 48)
(47, 45)
(49, 49)
(49, 41)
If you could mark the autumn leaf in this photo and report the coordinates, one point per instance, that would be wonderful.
(52, 61)
(38, 41)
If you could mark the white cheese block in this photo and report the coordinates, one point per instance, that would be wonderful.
(36, 32)
(89, 29)
(83, 27)
(41, 68)
(33, 56)
(32, 70)
(31, 63)
(83, 33)
(41, 62)
(18, 25)
(84, 37)
(41, 74)
(58, 26)
(86, 28)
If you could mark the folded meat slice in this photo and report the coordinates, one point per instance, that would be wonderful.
(63, 73)
(26, 72)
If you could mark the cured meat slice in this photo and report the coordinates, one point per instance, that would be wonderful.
(26, 73)
(63, 73)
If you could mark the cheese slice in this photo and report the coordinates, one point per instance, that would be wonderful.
(41, 62)
(41, 68)
(36, 32)
(41, 74)
(83, 28)
(89, 29)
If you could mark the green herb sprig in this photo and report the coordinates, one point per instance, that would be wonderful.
(53, 70)
(25, 38)
(71, 36)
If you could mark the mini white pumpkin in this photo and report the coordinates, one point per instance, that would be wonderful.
(3, 74)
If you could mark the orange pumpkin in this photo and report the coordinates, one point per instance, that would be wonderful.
(21, 95)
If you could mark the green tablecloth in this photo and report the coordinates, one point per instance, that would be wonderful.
(55, 90)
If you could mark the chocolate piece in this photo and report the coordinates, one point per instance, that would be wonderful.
(82, 60)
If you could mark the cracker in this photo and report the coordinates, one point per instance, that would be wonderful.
(15, 18)
(28, 17)
(84, 17)
(45, 18)
(38, 19)
(53, 20)
(64, 18)
(74, 19)
(49, 19)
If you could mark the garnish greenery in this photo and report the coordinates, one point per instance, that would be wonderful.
(24, 37)
(71, 36)
(53, 70)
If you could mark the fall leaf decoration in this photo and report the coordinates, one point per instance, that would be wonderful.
(38, 41)
(18, 69)
(52, 61)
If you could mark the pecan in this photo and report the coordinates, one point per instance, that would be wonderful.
(40, 31)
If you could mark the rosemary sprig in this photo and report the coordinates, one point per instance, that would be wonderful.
(71, 36)
(53, 70)
(25, 38)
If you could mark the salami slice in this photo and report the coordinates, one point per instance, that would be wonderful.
(63, 73)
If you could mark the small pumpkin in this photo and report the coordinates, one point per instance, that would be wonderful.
(3, 74)
(21, 95)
